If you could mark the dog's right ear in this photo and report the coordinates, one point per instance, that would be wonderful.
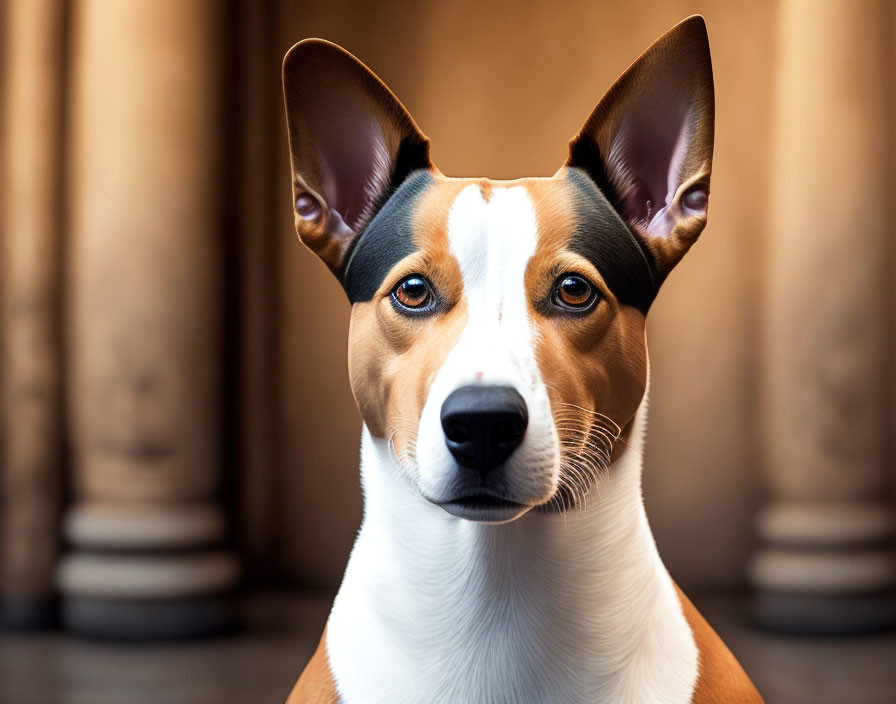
(352, 143)
(648, 144)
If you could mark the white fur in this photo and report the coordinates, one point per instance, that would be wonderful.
(550, 608)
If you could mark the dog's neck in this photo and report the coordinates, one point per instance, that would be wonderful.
(573, 607)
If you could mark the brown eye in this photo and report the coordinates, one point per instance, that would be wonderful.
(574, 292)
(413, 292)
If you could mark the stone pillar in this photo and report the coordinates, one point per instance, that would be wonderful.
(826, 562)
(145, 332)
(258, 206)
(29, 272)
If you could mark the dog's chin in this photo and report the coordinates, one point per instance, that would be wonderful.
(495, 499)
(483, 508)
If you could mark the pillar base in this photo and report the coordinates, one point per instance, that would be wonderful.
(148, 621)
(23, 614)
(824, 615)
(825, 568)
(137, 574)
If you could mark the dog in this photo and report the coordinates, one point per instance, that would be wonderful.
(497, 354)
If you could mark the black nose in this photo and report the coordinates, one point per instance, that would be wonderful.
(483, 425)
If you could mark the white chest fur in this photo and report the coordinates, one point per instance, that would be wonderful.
(550, 608)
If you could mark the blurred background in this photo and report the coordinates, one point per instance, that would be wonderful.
(179, 441)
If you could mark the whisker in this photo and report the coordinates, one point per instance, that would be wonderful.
(596, 414)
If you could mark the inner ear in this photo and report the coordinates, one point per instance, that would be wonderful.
(646, 154)
(352, 143)
(648, 143)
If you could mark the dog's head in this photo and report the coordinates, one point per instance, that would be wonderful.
(498, 327)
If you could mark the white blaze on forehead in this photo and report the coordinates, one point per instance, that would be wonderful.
(493, 242)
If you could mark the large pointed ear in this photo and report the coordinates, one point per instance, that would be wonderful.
(648, 143)
(352, 143)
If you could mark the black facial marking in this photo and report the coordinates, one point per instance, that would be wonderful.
(604, 239)
(385, 241)
(584, 154)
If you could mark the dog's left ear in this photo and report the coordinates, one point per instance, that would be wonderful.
(352, 143)
(648, 143)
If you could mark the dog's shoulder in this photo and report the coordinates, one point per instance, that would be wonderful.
(316, 684)
(721, 679)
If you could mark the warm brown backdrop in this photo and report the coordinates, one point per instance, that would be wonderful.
(499, 87)
(143, 160)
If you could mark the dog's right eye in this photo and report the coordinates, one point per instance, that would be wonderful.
(413, 293)
(574, 293)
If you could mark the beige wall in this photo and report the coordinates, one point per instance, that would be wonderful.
(500, 88)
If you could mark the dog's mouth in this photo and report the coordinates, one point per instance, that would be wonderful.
(484, 508)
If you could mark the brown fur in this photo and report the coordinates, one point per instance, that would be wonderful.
(607, 349)
(316, 685)
(721, 679)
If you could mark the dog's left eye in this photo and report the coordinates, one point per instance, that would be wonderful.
(413, 292)
(574, 292)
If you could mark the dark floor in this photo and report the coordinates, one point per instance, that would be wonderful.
(260, 665)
